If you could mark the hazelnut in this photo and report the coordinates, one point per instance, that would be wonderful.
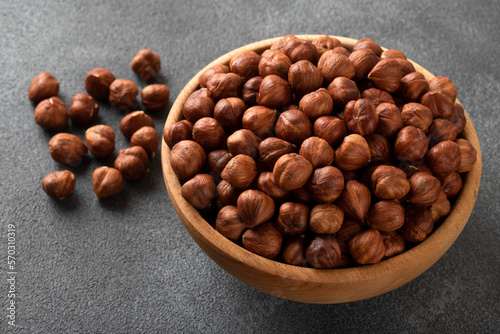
(294, 251)
(293, 218)
(240, 171)
(440, 130)
(255, 207)
(146, 63)
(175, 132)
(360, 117)
(302, 195)
(424, 189)
(443, 83)
(343, 90)
(367, 43)
(229, 223)
(394, 244)
(324, 252)
(317, 151)
(418, 224)
(272, 148)
(458, 117)
(389, 182)
(326, 219)
(245, 64)
(405, 65)
(274, 62)
(451, 184)
(203, 79)
(347, 231)
(123, 94)
(187, 158)
(51, 114)
(216, 162)
(367, 247)
(293, 126)
(274, 92)
(100, 140)
(386, 75)
(67, 149)
(97, 82)
(341, 50)
(468, 155)
(330, 128)
(228, 113)
(133, 121)
(298, 49)
(413, 86)
(59, 184)
(44, 86)
(208, 133)
(266, 184)
(324, 43)
(417, 115)
(291, 171)
(410, 169)
(377, 96)
(333, 64)
(223, 85)
(386, 216)
(353, 153)
(363, 61)
(355, 200)
(440, 103)
(411, 144)
(250, 90)
(304, 77)
(226, 194)
(325, 184)
(106, 182)
(440, 208)
(133, 163)
(444, 158)
(351, 175)
(199, 191)
(83, 109)
(389, 120)
(260, 120)
(243, 141)
(280, 44)
(155, 97)
(380, 149)
(392, 53)
(316, 104)
(264, 240)
(147, 138)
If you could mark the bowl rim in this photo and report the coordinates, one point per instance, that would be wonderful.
(208, 237)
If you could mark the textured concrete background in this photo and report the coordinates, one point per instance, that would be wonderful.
(126, 264)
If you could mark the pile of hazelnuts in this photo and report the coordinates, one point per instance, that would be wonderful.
(315, 155)
(131, 163)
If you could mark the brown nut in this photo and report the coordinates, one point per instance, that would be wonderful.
(360, 117)
(155, 97)
(228, 113)
(229, 223)
(59, 184)
(405, 65)
(424, 189)
(272, 148)
(175, 132)
(440, 208)
(392, 53)
(199, 191)
(260, 120)
(380, 149)
(106, 182)
(291, 171)
(389, 182)
(343, 90)
(133, 121)
(97, 82)
(386, 75)
(197, 107)
(123, 94)
(298, 49)
(324, 252)
(304, 77)
(317, 151)
(146, 63)
(458, 117)
(377, 96)
(451, 184)
(147, 138)
(347, 231)
(44, 86)
(367, 247)
(264, 240)
(389, 120)
(187, 158)
(363, 61)
(83, 109)
(274, 62)
(355, 200)
(226, 194)
(330, 128)
(367, 43)
(293, 126)
(410, 169)
(444, 158)
(67, 149)
(51, 114)
(324, 43)
(418, 224)
(411, 144)
(203, 79)
(266, 184)
(100, 140)
(468, 155)
(439, 102)
(413, 86)
(293, 218)
(326, 219)
(216, 162)
(353, 153)
(280, 44)
(386, 216)
(316, 104)
(333, 64)
(245, 64)
(294, 251)
(325, 184)
(255, 207)
(443, 83)
(250, 90)
(208, 133)
(274, 92)
(223, 85)
(440, 130)
(243, 141)
(133, 163)
(341, 50)
(394, 244)
(240, 171)
(417, 115)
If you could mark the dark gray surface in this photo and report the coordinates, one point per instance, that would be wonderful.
(126, 265)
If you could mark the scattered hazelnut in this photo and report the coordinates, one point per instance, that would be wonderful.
(304, 77)
(389, 182)
(394, 244)
(326, 218)
(97, 82)
(360, 117)
(324, 43)
(243, 141)
(353, 153)
(260, 120)
(392, 53)
(417, 115)
(325, 184)
(293, 126)
(106, 182)
(330, 128)
(343, 90)
(294, 251)
(333, 64)
(418, 224)
(274, 62)
(274, 92)
(100, 140)
(355, 200)
(444, 158)
(440, 103)
(223, 85)
(155, 97)
(386, 216)
(367, 247)
(316, 104)
(291, 171)
(386, 75)
(146, 63)
(367, 43)
(293, 218)
(229, 223)
(240, 171)
(266, 184)
(226, 194)
(264, 240)
(451, 184)
(123, 94)
(443, 83)
(203, 79)
(317, 151)
(255, 207)
(133, 121)
(250, 90)
(272, 148)
(197, 107)
(413, 86)
(468, 155)
(178, 131)
(411, 144)
(44, 86)
(424, 189)
(67, 149)
(59, 184)
(147, 138)
(389, 120)
(208, 133)
(377, 96)
(51, 114)
(199, 191)
(245, 64)
(228, 113)
(187, 158)
(298, 49)
(363, 61)
(83, 109)
(324, 252)
(133, 163)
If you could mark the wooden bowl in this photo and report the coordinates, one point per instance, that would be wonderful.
(318, 285)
